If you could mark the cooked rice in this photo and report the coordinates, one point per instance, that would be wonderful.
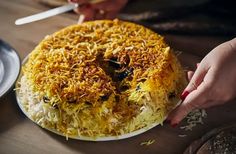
(100, 78)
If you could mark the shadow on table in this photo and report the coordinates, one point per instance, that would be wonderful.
(131, 145)
(163, 135)
(10, 114)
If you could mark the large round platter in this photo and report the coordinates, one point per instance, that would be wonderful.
(107, 138)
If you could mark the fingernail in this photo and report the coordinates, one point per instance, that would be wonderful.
(197, 64)
(184, 95)
(174, 125)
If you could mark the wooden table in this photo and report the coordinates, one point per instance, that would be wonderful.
(19, 135)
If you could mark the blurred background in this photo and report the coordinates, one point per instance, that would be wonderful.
(209, 17)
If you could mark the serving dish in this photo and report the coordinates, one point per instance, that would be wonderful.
(9, 67)
(84, 138)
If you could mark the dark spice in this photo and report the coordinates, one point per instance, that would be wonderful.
(114, 63)
(171, 95)
(124, 87)
(72, 101)
(105, 97)
(88, 103)
(121, 75)
(137, 88)
(55, 106)
(46, 99)
(117, 97)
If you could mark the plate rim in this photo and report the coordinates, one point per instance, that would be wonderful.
(85, 138)
(5, 92)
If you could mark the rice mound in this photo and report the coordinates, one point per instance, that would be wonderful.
(100, 78)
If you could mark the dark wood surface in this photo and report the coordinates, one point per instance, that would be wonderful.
(19, 135)
(219, 140)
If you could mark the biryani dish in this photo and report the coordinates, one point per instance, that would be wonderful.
(100, 78)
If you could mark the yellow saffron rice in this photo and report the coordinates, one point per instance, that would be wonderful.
(100, 78)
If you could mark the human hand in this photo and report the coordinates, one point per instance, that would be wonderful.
(107, 9)
(213, 83)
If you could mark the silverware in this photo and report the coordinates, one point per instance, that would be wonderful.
(46, 14)
(50, 13)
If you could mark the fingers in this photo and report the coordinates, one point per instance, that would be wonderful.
(193, 101)
(110, 4)
(99, 14)
(190, 75)
(210, 104)
(197, 64)
(78, 1)
(107, 10)
(111, 15)
(90, 12)
(101, 10)
(87, 11)
(106, 5)
(192, 96)
(196, 79)
(81, 19)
